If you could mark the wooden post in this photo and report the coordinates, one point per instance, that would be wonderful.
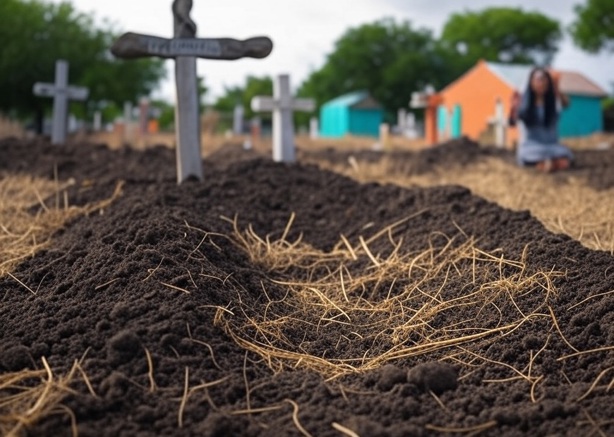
(61, 93)
(500, 123)
(185, 48)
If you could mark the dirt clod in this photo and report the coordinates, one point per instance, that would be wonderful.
(435, 376)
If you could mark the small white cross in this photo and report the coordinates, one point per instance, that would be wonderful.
(282, 105)
(61, 93)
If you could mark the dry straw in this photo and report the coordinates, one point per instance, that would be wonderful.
(10, 128)
(28, 396)
(364, 307)
(23, 232)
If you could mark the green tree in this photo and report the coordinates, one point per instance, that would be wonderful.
(508, 35)
(386, 58)
(593, 29)
(166, 111)
(242, 95)
(35, 34)
(256, 86)
(232, 96)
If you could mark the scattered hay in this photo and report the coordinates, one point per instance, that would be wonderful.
(366, 307)
(23, 233)
(28, 396)
(10, 127)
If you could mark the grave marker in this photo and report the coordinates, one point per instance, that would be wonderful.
(237, 120)
(97, 124)
(411, 130)
(185, 48)
(500, 124)
(314, 128)
(254, 133)
(143, 116)
(402, 120)
(128, 122)
(282, 105)
(61, 93)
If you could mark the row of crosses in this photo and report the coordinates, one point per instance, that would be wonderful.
(184, 48)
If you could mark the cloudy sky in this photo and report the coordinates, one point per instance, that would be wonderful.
(304, 32)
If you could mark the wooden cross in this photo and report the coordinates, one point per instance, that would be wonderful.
(282, 105)
(185, 48)
(61, 93)
(500, 123)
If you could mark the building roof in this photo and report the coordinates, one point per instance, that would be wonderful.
(576, 83)
(357, 99)
(571, 82)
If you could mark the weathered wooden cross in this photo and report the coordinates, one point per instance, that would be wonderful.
(282, 105)
(61, 93)
(185, 48)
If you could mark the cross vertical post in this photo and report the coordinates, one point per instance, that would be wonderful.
(186, 110)
(60, 103)
(237, 120)
(499, 124)
(283, 125)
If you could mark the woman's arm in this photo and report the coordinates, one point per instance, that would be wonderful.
(523, 107)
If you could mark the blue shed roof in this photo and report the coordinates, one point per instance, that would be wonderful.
(357, 98)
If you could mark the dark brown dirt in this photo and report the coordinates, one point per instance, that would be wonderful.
(101, 293)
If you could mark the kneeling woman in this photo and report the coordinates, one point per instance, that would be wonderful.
(537, 109)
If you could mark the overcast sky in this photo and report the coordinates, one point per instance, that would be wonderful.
(304, 32)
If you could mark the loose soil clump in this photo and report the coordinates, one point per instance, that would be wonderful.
(282, 299)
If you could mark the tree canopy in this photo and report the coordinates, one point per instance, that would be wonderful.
(508, 35)
(35, 34)
(593, 29)
(242, 95)
(386, 58)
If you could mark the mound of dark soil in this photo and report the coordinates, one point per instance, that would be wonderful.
(593, 166)
(149, 274)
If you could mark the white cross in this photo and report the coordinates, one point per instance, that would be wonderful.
(314, 128)
(237, 120)
(61, 93)
(185, 48)
(500, 124)
(282, 105)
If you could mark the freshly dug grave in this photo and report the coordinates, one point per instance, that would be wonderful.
(277, 299)
(578, 202)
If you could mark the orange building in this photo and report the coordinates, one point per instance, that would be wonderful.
(468, 106)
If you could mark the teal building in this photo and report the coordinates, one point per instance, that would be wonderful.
(356, 114)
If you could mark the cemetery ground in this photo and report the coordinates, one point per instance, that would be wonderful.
(434, 292)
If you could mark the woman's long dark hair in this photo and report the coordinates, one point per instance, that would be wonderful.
(550, 115)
